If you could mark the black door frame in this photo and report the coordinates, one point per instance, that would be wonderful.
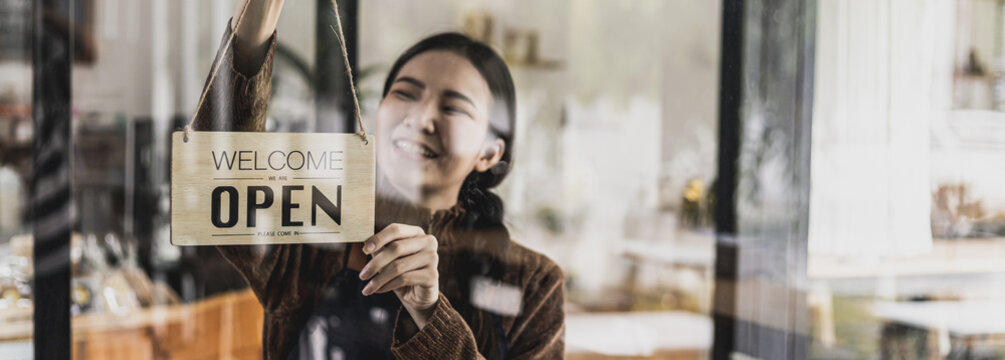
(730, 102)
(51, 205)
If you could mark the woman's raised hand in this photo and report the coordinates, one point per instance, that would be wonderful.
(253, 33)
(404, 260)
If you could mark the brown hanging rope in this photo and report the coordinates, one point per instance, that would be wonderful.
(230, 40)
(348, 71)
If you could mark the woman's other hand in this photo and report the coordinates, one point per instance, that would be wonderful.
(404, 260)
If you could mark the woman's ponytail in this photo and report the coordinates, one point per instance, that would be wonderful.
(483, 209)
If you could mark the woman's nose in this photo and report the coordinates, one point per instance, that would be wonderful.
(424, 118)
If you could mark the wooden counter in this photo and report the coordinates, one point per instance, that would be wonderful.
(227, 326)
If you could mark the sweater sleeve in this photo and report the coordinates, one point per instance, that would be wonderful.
(236, 101)
(537, 332)
(446, 336)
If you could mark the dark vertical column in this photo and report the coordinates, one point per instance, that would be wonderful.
(142, 195)
(50, 186)
(730, 101)
(333, 101)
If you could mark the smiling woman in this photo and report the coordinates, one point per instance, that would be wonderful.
(436, 107)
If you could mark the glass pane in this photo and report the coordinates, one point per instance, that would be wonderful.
(609, 158)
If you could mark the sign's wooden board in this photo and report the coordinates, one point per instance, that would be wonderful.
(241, 188)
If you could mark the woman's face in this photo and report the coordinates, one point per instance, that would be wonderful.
(432, 128)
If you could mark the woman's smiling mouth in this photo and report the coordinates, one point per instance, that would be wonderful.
(415, 149)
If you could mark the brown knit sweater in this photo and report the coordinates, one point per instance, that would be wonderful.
(288, 279)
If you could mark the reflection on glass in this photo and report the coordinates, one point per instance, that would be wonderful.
(597, 132)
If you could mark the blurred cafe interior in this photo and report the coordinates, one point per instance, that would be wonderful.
(717, 179)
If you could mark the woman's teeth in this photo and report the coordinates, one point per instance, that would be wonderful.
(414, 148)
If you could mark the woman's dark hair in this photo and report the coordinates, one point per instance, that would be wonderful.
(483, 208)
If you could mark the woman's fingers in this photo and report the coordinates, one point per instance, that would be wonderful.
(403, 255)
(390, 233)
(390, 252)
(424, 277)
(396, 268)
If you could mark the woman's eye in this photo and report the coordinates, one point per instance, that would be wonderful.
(454, 110)
(404, 94)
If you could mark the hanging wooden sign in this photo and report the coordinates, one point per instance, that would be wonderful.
(239, 188)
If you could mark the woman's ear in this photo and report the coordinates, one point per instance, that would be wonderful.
(490, 155)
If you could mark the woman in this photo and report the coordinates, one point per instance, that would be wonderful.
(443, 280)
